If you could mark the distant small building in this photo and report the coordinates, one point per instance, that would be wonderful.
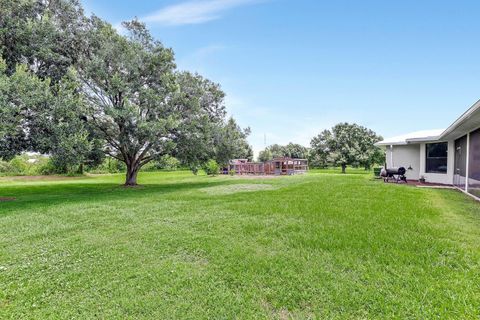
(277, 167)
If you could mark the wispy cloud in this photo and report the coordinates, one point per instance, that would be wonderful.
(194, 12)
(201, 59)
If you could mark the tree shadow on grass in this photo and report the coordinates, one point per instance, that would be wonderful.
(33, 196)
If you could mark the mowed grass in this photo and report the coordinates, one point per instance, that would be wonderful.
(185, 247)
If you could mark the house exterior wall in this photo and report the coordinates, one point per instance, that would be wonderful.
(463, 167)
(441, 178)
(407, 156)
(414, 156)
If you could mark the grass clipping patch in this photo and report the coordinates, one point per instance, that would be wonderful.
(7, 199)
(235, 188)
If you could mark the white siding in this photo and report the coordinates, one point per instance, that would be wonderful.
(407, 156)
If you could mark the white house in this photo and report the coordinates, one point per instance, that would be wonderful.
(450, 156)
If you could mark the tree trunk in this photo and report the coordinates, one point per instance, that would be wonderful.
(344, 168)
(131, 178)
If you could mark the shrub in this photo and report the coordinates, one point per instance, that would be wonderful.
(211, 167)
(26, 164)
(166, 162)
(19, 166)
(6, 168)
(151, 166)
(46, 167)
(109, 165)
(169, 163)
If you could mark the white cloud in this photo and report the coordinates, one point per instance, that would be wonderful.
(239, 108)
(199, 59)
(194, 12)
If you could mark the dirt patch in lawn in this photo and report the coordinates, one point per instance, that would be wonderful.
(235, 188)
(257, 177)
(2, 199)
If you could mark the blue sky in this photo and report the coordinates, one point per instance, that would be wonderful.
(292, 68)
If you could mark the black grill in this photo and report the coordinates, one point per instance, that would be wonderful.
(394, 175)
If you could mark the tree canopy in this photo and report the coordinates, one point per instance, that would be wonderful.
(230, 142)
(291, 150)
(47, 36)
(32, 118)
(346, 144)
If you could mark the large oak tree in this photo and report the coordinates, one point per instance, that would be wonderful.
(346, 144)
(140, 105)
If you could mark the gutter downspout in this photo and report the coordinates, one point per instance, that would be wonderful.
(391, 156)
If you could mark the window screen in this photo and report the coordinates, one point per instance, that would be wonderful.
(474, 164)
(460, 174)
(437, 157)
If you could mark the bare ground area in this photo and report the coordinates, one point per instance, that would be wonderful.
(234, 188)
(254, 177)
(6, 199)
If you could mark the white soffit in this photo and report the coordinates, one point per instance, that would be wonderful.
(468, 122)
(418, 136)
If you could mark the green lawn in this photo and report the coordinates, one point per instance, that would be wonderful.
(315, 246)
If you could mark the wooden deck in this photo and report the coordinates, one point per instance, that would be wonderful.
(277, 166)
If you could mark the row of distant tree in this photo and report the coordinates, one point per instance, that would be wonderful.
(74, 88)
(343, 145)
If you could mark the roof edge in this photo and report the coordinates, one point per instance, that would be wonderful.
(399, 143)
(466, 115)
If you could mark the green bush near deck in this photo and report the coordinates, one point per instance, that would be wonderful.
(211, 168)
